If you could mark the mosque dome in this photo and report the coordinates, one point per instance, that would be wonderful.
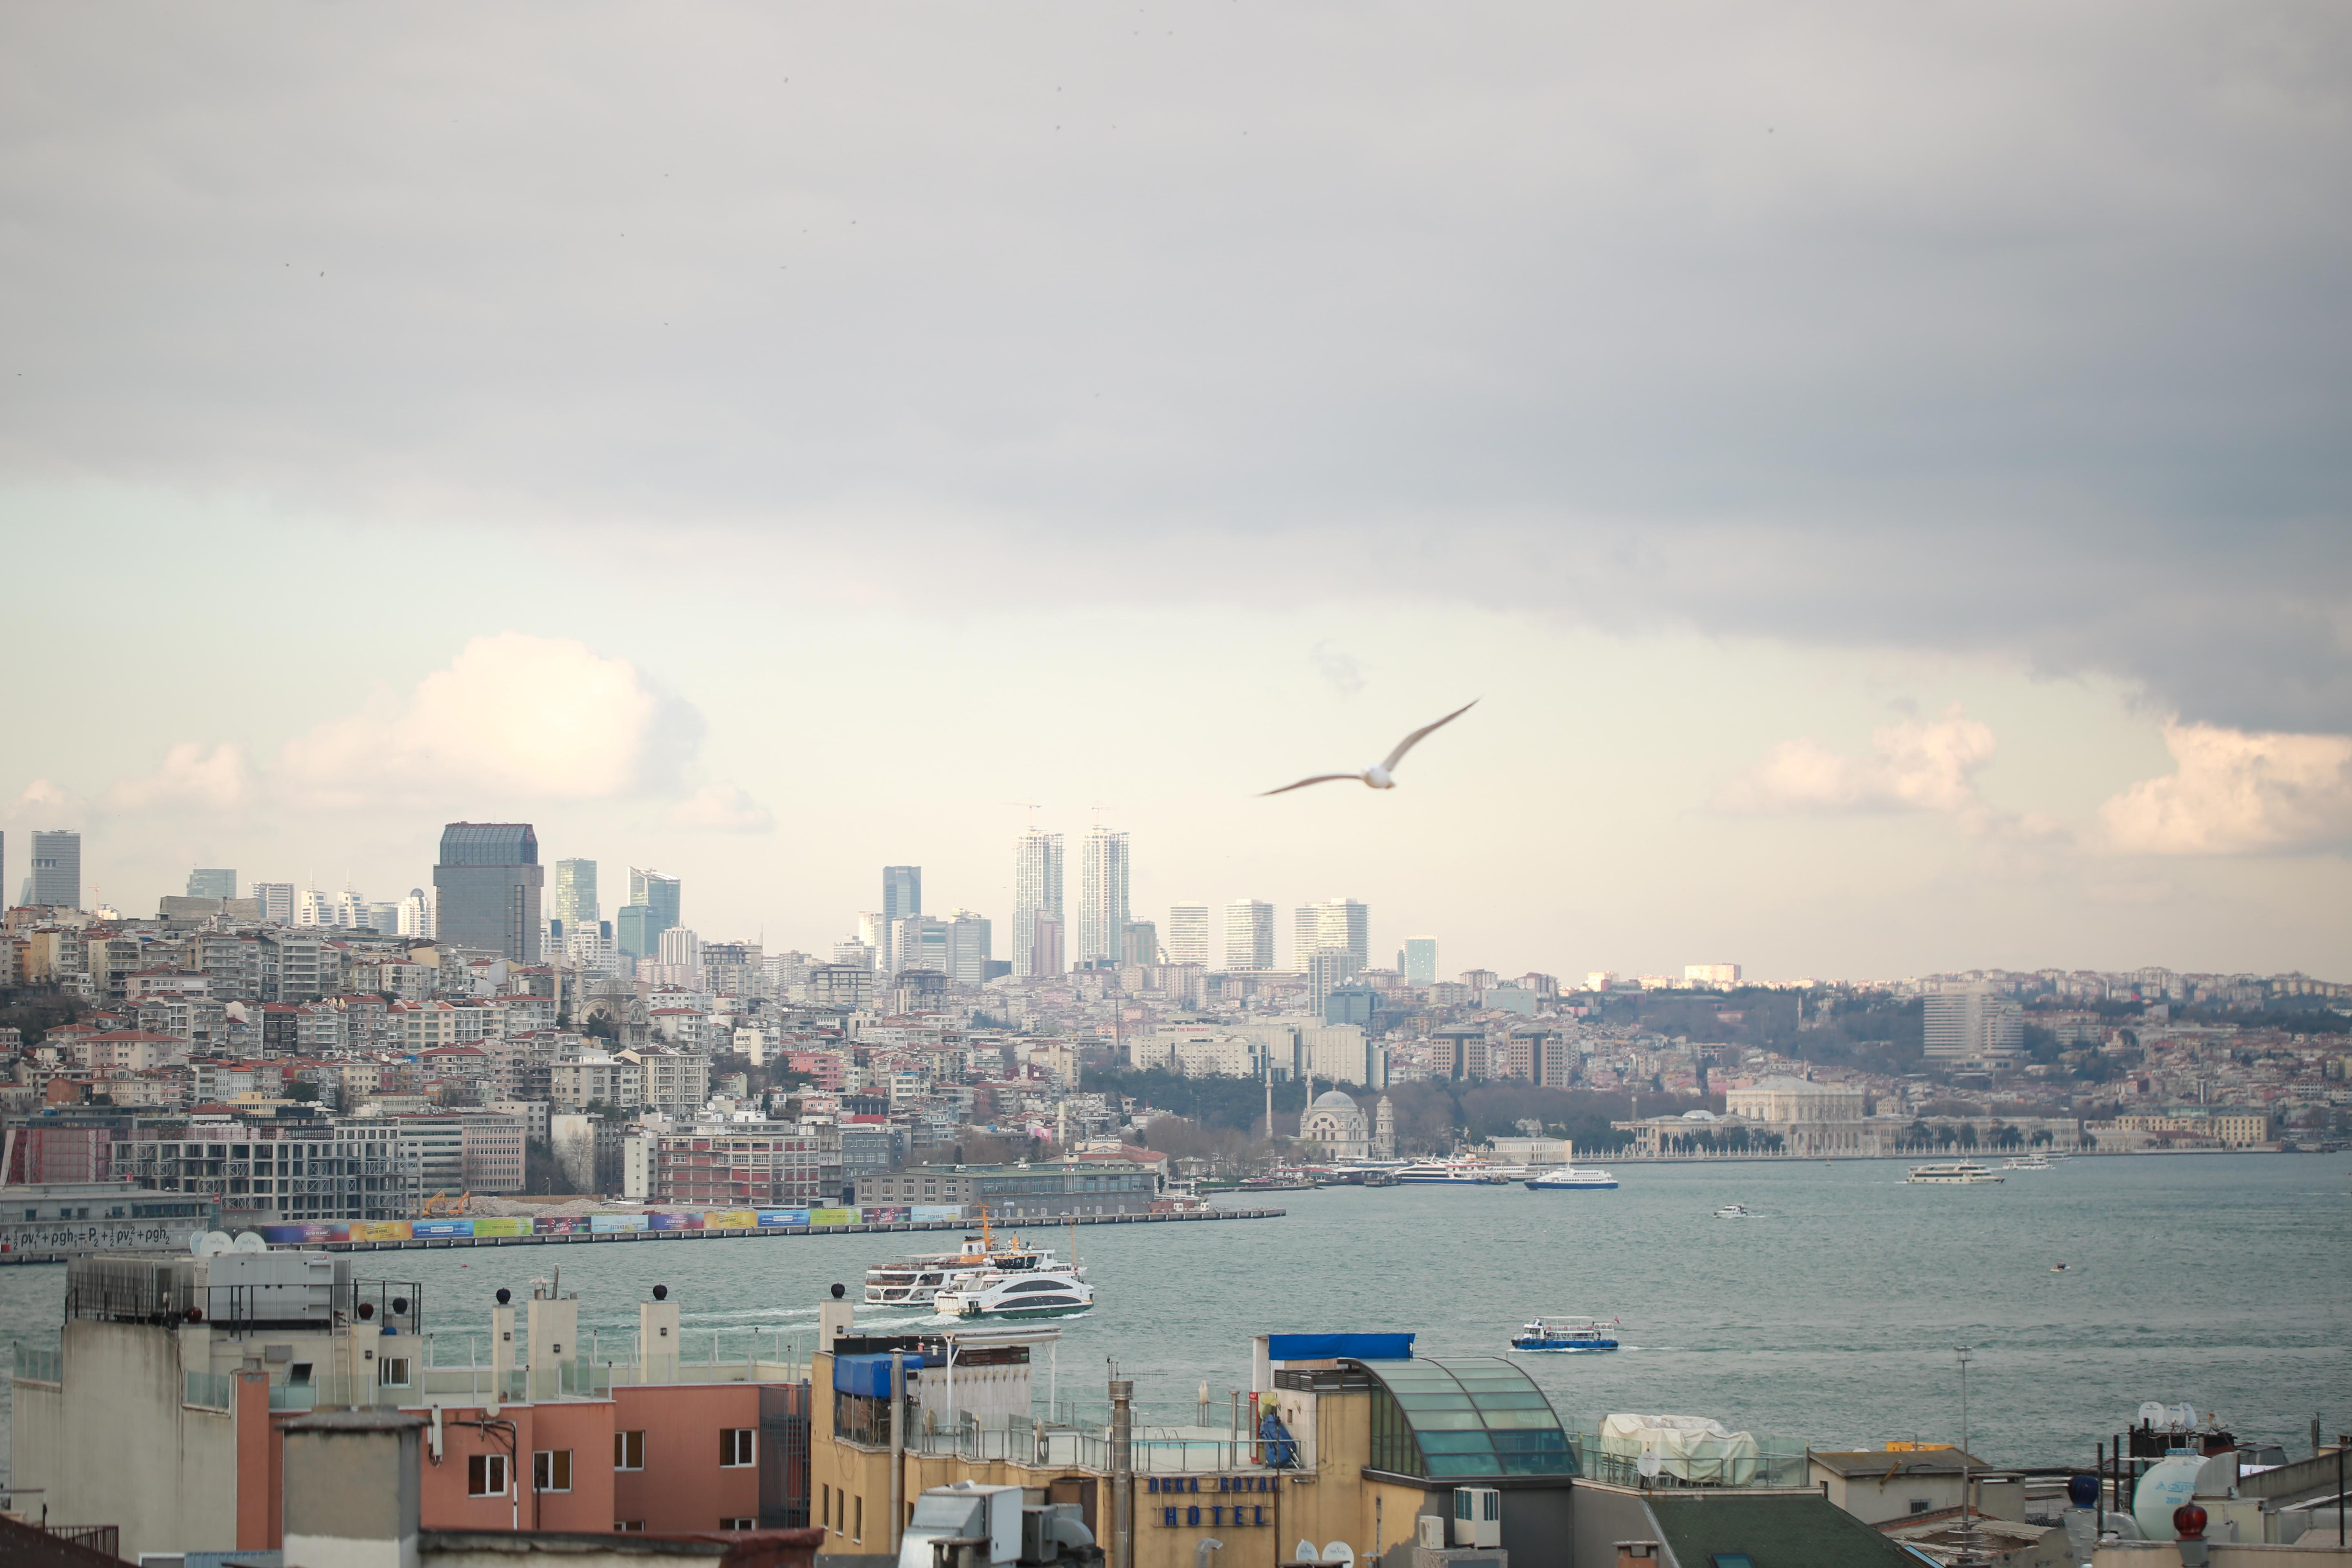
(1336, 1099)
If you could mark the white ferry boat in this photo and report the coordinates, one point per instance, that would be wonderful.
(2025, 1162)
(1573, 1336)
(1453, 1174)
(1953, 1174)
(1735, 1211)
(1570, 1179)
(1035, 1293)
(917, 1281)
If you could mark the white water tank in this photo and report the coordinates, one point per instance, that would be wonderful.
(2169, 1482)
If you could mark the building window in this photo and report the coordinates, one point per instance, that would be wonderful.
(739, 1523)
(485, 1475)
(734, 1446)
(550, 1470)
(859, 1515)
(824, 1505)
(391, 1371)
(628, 1450)
(629, 1526)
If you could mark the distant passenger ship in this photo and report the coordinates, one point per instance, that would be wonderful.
(1452, 1173)
(1571, 1179)
(1953, 1174)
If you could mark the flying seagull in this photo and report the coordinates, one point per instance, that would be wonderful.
(1381, 774)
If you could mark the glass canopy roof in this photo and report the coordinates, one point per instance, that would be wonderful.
(1477, 1415)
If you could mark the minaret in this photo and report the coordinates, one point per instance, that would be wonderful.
(1384, 1131)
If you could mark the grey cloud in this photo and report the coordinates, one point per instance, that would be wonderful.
(2011, 330)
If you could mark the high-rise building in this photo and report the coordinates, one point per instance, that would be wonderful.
(1306, 934)
(1419, 960)
(212, 884)
(1036, 889)
(1045, 944)
(1341, 923)
(576, 894)
(921, 941)
(1138, 943)
(1103, 862)
(487, 887)
(381, 919)
(56, 869)
(1188, 934)
(415, 914)
(1968, 1023)
(902, 897)
(654, 906)
(277, 901)
(1249, 934)
(968, 947)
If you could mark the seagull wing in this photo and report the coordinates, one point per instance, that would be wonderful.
(1410, 740)
(1302, 783)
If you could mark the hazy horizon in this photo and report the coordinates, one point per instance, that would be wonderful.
(1883, 474)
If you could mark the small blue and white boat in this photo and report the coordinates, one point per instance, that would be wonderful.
(1571, 1179)
(1574, 1336)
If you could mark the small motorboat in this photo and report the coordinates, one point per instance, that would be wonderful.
(1735, 1211)
(2058, 1268)
(1573, 1336)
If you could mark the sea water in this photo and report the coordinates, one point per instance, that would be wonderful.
(1829, 1318)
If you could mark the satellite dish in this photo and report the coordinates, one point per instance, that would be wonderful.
(250, 1241)
(1648, 1465)
(1339, 1552)
(2184, 1416)
(210, 1243)
(2152, 1414)
(1305, 1552)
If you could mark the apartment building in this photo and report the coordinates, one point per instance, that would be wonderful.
(776, 1163)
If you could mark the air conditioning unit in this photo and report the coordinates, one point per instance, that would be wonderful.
(1478, 1516)
(1429, 1532)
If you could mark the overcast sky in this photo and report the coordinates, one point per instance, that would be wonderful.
(1884, 470)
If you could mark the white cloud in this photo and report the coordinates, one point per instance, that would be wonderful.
(722, 809)
(2232, 792)
(44, 805)
(516, 717)
(1919, 764)
(215, 779)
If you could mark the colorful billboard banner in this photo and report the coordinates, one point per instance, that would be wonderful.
(379, 1230)
(730, 1219)
(776, 1218)
(558, 1223)
(885, 1215)
(673, 1222)
(297, 1235)
(502, 1228)
(939, 1211)
(438, 1229)
(609, 1224)
(833, 1216)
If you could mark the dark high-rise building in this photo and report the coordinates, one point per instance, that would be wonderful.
(487, 887)
(56, 870)
(212, 884)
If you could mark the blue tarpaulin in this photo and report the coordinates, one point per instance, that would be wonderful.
(868, 1375)
(1333, 1347)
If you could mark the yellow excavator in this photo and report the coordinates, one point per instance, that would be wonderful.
(441, 1206)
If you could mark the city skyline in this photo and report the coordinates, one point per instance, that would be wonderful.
(1845, 591)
